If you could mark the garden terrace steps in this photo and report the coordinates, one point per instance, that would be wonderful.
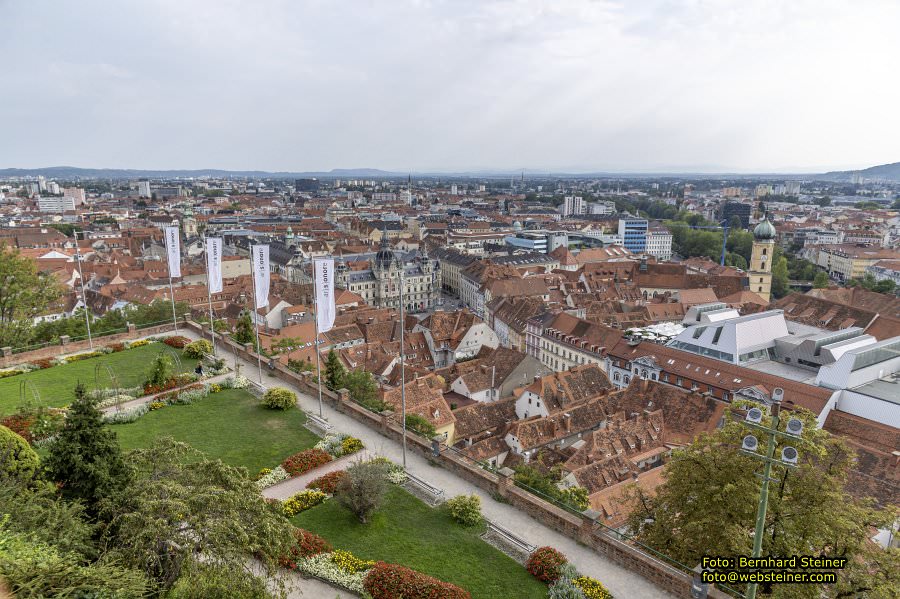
(291, 486)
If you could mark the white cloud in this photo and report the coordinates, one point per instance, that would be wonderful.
(571, 84)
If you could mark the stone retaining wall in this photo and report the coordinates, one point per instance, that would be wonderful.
(65, 346)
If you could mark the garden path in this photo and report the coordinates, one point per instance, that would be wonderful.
(149, 398)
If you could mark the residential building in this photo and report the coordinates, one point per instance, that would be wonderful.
(57, 204)
(739, 209)
(573, 206)
(659, 244)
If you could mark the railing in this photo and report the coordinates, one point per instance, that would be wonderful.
(511, 538)
(435, 492)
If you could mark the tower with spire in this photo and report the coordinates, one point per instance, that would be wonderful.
(761, 258)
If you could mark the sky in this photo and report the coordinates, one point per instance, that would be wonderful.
(457, 85)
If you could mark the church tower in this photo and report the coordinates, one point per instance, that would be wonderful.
(761, 259)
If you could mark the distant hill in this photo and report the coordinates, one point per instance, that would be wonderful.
(890, 172)
(73, 172)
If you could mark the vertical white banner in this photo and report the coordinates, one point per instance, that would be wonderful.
(260, 256)
(214, 264)
(324, 271)
(173, 251)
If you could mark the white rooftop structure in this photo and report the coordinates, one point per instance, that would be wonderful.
(723, 334)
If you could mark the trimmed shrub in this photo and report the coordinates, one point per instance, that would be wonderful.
(306, 544)
(465, 509)
(17, 459)
(196, 349)
(302, 501)
(305, 461)
(545, 564)
(176, 341)
(279, 398)
(327, 483)
(592, 588)
(390, 581)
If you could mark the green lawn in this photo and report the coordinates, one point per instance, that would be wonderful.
(55, 384)
(229, 425)
(410, 533)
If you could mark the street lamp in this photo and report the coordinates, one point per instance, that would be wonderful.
(789, 455)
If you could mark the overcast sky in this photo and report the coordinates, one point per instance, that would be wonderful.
(420, 85)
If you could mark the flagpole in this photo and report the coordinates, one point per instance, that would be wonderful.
(402, 368)
(316, 339)
(256, 322)
(172, 291)
(212, 334)
(87, 317)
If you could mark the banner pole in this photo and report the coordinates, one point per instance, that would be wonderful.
(256, 322)
(212, 334)
(316, 340)
(402, 366)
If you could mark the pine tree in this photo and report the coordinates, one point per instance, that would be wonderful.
(86, 459)
(334, 371)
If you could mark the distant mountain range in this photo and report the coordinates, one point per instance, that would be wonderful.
(890, 172)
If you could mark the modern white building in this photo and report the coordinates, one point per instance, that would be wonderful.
(573, 206)
(603, 208)
(144, 189)
(56, 204)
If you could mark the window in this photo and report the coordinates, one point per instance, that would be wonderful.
(627, 379)
(678, 381)
(617, 377)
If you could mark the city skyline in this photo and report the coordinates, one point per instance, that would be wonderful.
(438, 87)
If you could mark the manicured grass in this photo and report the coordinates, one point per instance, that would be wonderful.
(229, 425)
(408, 532)
(55, 385)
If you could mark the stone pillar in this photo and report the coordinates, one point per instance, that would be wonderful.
(7, 351)
(248, 347)
(131, 328)
(586, 531)
(186, 316)
(64, 340)
(503, 484)
(385, 423)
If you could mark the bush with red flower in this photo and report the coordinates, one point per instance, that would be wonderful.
(390, 581)
(327, 483)
(43, 363)
(306, 544)
(116, 347)
(305, 461)
(545, 564)
(19, 424)
(176, 341)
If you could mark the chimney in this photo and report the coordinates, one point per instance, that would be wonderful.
(567, 423)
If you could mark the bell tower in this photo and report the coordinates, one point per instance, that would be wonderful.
(761, 259)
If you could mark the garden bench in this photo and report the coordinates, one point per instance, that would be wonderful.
(511, 538)
(436, 493)
(319, 423)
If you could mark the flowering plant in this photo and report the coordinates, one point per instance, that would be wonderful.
(138, 343)
(331, 444)
(126, 416)
(176, 341)
(302, 501)
(306, 544)
(273, 476)
(348, 562)
(397, 477)
(305, 461)
(390, 581)
(328, 482)
(117, 347)
(351, 445)
(84, 356)
(592, 588)
(215, 388)
(44, 363)
(156, 405)
(322, 566)
(545, 563)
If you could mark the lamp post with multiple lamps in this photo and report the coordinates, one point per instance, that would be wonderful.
(750, 446)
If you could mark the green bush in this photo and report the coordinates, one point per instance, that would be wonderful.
(161, 371)
(211, 581)
(465, 509)
(279, 398)
(420, 425)
(17, 459)
(196, 349)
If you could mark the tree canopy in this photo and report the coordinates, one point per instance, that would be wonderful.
(707, 506)
(24, 294)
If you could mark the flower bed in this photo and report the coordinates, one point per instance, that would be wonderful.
(271, 477)
(390, 581)
(302, 501)
(322, 566)
(592, 588)
(126, 416)
(306, 544)
(327, 483)
(305, 461)
(137, 343)
(176, 341)
(340, 444)
(84, 356)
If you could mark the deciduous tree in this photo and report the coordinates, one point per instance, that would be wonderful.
(24, 294)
